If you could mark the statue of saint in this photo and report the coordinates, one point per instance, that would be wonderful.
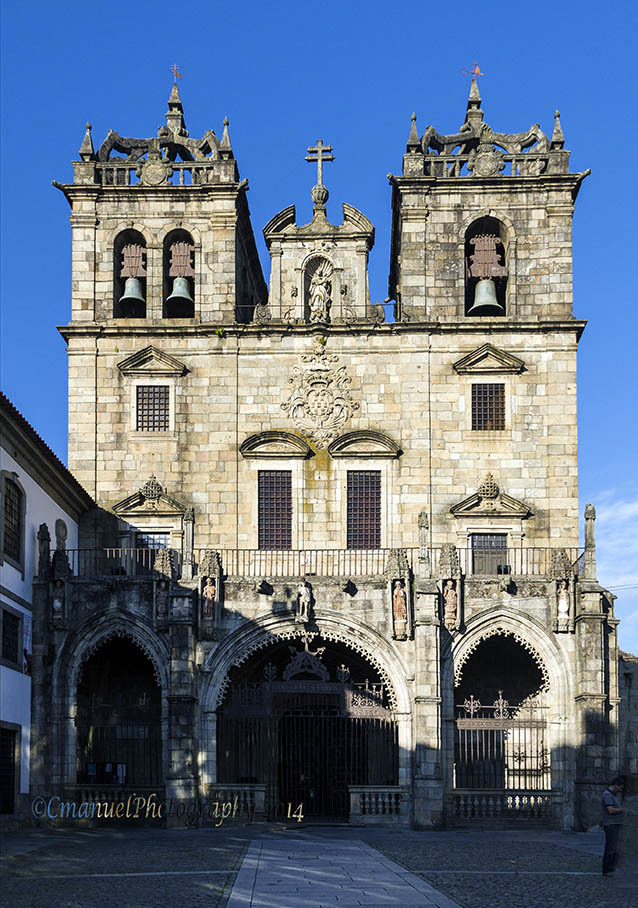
(208, 599)
(161, 599)
(563, 605)
(451, 606)
(319, 293)
(400, 610)
(303, 603)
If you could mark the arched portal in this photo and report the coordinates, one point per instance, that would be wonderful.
(119, 735)
(307, 719)
(502, 738)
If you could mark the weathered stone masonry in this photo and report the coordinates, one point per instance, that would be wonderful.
(309, 380)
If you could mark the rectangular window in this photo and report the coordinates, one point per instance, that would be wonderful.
(274, 502)
(489, 553)
(11, 648)
(364, 509)
(152, 408)
(146, 545)
(8, 741)
(488, 407)
(12, 520)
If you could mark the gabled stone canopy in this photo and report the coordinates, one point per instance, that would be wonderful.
(151, 497)
(152, 362)
(490, 501)
(488, 358)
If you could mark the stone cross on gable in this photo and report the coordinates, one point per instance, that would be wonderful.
(320, 153)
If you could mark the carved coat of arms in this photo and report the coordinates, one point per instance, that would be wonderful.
(320, 401)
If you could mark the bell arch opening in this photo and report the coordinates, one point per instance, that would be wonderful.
(501, 719)
(119, 718)
(486, 268)
(178, 272)
(129, 275)
(307, 719)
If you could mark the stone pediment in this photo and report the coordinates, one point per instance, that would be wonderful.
(152, 362)
(150, 498)
(490, 501)
(364, 443)
(488, 359)
(275, 444)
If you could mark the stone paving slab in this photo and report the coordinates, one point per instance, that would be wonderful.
(292, 873)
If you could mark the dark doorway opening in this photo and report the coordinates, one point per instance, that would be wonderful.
(119, 736)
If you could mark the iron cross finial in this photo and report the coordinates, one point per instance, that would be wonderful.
(176, 73)
(320, 153)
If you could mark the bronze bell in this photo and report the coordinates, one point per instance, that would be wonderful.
(132, 292)
(181, 292)
(485, 299)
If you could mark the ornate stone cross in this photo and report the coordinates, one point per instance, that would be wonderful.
(320, 153)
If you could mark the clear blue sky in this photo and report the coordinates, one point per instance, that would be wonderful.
(350, 73)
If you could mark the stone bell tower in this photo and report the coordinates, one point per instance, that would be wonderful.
(481, 252)
(163, 258)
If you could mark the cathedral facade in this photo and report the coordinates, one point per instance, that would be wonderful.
(334, 564)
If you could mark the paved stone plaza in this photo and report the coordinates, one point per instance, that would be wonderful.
(269, 866)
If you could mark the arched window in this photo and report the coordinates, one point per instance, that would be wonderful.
(318, 290)
(486, 268)
(129, 275)
(179, 275)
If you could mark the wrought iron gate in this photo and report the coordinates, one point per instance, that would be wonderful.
(501, 747)
(307, 741)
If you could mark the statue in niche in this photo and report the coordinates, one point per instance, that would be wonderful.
(303, 603)
(450, 610)
(161, 600)
(58, 598)
(319, 292)
(208, 598)
(562, 597)
(400, 610)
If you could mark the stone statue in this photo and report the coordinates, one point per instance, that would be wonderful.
(161, 599)
(319, 293)
(208, 598)
(58, 598)
(61, 534)
(303, 603)
(562, 596)
(451, 606)
(399, 610)
(44, 551)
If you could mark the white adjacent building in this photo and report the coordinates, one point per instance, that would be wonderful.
(37, 491)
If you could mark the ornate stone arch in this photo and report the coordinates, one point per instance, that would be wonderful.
(248, 639)
(79, 646)
(258, 634)
(530, 634)
(94, 634)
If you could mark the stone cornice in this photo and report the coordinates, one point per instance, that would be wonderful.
(118, 328)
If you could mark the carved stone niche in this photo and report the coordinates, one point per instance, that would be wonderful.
(562, 592)
(450, 588)
(162, 585)
(210, 586)
(399, 591)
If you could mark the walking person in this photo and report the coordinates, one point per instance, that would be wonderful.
(611, 822)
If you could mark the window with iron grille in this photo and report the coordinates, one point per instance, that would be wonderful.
(12, 520)
(11, 643)
(364, 509)
(152, 408)
(488, 407)
(274, 502)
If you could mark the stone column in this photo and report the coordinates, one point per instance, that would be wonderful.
(181, 779)
(428, 779)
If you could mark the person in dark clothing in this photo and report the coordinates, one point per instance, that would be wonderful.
(611, 822)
